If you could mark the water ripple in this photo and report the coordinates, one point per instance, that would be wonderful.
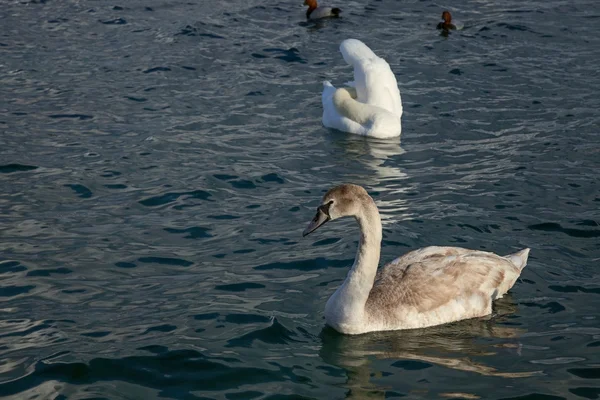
(159, 161)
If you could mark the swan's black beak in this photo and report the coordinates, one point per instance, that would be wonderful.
(320, 219)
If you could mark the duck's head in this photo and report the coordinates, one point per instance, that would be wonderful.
(341, 201)
(310, 3)
(447, 17)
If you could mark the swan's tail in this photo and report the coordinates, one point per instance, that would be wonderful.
(328, 92)
(519, 259)
(355, 51)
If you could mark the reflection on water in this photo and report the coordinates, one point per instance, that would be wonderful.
(385, 180)
(160, 159)
(453, 346)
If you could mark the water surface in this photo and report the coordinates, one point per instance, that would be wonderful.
(160, 159)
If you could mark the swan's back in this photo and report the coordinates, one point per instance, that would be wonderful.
(375, 82)
(436, 285)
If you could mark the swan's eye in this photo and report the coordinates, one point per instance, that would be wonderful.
(325, 208)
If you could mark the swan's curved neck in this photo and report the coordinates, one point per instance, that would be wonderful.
(345, 309)
(345, 103)
(347, 305)
(363, 271)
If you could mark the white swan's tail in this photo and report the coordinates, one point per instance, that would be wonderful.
(327, 84)
(519, 259)
(328, 92)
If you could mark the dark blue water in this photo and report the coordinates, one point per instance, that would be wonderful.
(160, 159)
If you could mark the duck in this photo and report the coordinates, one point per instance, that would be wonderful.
(426, 287)
(371, 105)
(316, 12)
(446, 23)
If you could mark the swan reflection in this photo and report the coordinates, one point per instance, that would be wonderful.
(382, 175)
(450, 346)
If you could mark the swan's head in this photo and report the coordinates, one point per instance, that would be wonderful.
(310, 3)
(341, 201)
(447, 17)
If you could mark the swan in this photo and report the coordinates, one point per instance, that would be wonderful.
(316, 12)
(372, 106)
(425, 287)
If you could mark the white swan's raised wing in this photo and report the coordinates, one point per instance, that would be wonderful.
(374, 80)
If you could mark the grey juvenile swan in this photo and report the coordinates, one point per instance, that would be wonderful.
(425, 287)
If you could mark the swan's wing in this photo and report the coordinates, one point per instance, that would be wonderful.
(377, 85)
(355, 52)
(428, 279)
(374, 80)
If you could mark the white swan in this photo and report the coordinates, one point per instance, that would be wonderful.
(425, 287)
(373, 108)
